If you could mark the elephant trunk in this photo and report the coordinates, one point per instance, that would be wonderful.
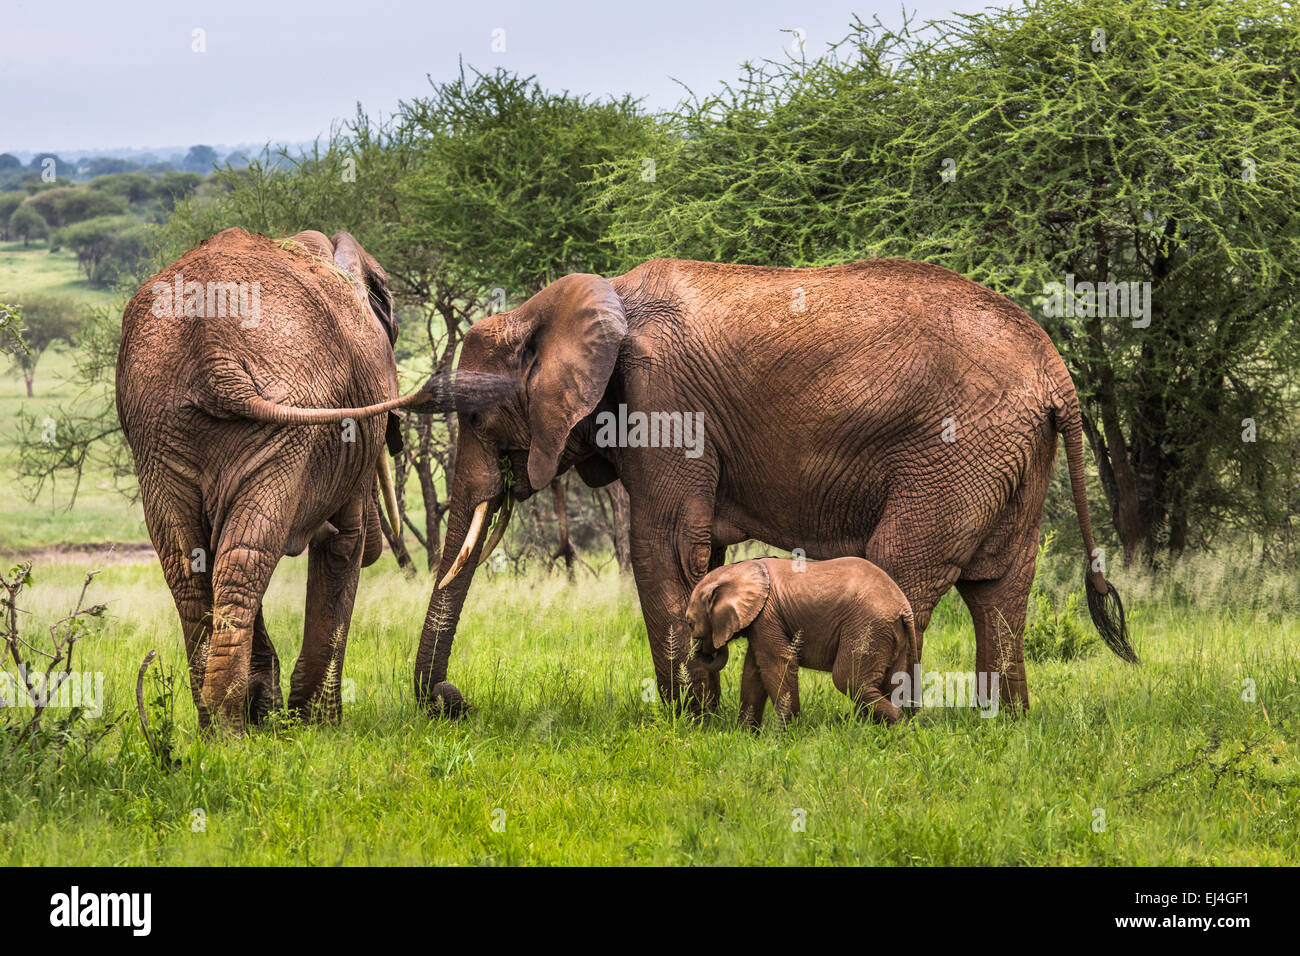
(476, 487)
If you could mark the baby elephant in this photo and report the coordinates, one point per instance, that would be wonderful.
(845, 616)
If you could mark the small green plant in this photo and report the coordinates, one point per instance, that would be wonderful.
(160, 701)
(1052, 634)
(34, 680)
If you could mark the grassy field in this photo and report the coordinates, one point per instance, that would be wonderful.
(563, 760)
(33, 268)
(102, 514)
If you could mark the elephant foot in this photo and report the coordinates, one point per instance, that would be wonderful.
(263, 698)
(323, 707)
(444, 700)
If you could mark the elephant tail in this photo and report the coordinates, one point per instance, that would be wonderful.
(443, 392)
(1104, 605)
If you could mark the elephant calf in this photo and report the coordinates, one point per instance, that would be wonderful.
(846, 616)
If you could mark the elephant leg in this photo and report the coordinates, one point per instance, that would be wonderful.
(997, 579)
(241, 572)
(666, 568)
(781, 680)
(672, 548)
(924, 566)
(333, 566)
(777, 661)
(264, 693)
(192, 591)
(998, 608)
(753, 695)
(859, 671)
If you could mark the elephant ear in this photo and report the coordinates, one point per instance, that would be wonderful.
(356, 262)
(737, 599)
(315, 243)
(576, 327)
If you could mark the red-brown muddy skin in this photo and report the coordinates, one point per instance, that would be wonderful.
(890, 410)
(844, 616)
(225, 495)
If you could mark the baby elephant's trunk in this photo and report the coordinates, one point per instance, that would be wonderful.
(892, 699)
(711, 661)
(909, 656)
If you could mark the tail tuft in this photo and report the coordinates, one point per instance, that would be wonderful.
(1107, 614)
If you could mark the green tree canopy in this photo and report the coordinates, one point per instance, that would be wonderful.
(46, 319)
(9, 202)
(98, 242)
(27, 224)
(129, 187)
(200, 159)
(84, 203)
(504, 188)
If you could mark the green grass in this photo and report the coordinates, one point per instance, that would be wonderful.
(587, 771)
(101, 514)
(33, 268)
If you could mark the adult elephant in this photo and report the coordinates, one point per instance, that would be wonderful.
(251, 384)
(889, 409)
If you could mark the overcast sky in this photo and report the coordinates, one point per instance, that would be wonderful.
(85, 74)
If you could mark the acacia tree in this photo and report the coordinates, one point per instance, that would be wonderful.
(506, 193)
(26, 224)
(47, 319)
(1118, 141)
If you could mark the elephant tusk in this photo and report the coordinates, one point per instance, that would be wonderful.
(388, 494)
(466, 549)
(499, 531)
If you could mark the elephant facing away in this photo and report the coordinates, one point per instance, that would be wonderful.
(252, 380)
(889, 410)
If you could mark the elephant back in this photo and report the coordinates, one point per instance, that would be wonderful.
(243, 311)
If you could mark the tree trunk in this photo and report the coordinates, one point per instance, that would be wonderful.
(396, 544)
(565, 550)
(428, 490)
(620, 517)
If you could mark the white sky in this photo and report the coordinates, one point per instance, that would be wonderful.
(85, 74)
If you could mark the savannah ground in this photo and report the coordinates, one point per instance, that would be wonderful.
(564, 760)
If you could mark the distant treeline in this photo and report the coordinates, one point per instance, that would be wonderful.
(200, 159)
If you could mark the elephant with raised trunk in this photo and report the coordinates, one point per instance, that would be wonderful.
(252, 382)
(890, 410)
